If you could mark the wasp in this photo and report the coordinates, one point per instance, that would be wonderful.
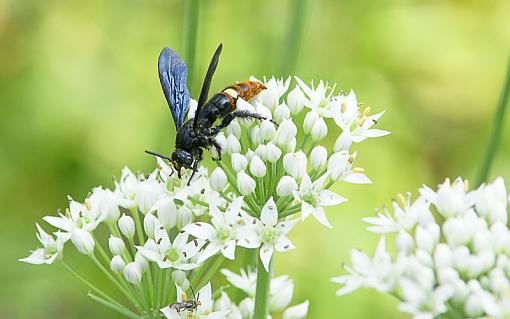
(198, 133)
(187, 305)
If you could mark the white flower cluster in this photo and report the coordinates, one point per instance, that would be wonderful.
(452, 253)
(281, 293)
(164, 232)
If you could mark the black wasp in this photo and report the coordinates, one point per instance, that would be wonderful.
(199, 132)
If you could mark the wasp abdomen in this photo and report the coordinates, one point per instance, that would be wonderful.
(246, 90)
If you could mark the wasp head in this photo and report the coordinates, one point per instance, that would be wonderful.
(181, 159)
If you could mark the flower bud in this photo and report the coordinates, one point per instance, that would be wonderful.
(127, 226)
(233, 145)
(180, 279)
(296, 100)
(263, 110)
(166, 211)
(141, 261)
(261, 152)
(473, 307)
(273, 153)
(285, 132)
(282, 298)
(343, 142)
(246, 307)
(319, 130)
(245, 184)
(117, 264)
(319, 157)
(338, 165)
(149, 224)
(184, 216)
(267, 130)
(239, 162)
(404, 242)
(295, 164)
(133, 273)
(83, 241)
(296, 312)
(290, 147)
(234, 129)
(222, 141)
(105, 203)
(257, 166)
(218, 179)
(116, 245)
(281, 113)
(255, 135)
(286, 186)
(310, 119)
(249, 154)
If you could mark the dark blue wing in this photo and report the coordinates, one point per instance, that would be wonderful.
(172, 75)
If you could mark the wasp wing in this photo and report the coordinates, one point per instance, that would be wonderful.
(207, 83)
(172, 75)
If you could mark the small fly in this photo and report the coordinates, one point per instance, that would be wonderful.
(187, 305)
(198, 133)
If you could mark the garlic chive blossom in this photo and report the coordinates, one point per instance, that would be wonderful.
(453, 264)
(163, 232)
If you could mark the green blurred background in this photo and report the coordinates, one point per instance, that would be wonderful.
(80, 98)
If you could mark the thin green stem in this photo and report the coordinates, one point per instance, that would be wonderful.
(262, 292)
(138, 225)
(191, 11)
(495, 135)
(292, 43)
(126, 312)
(210, 272)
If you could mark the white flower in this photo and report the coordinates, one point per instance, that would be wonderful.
(295, 164)
(204, 308)
(257, 166)
(286, 186)
(275, 88)
(77, 216)
(286, 131)
(233, 145)
(245, 183)
(180, 279)
(218, 179)
(51, 250)
(133, 273)
(456, 265)
(297, 312)
(167, 254)
(296, 100)
(273, 152)
(106, 203)
(239, 162)
(116, 245)
(313, 197)
(150, 222)
(310, 119)
(340, 168)
(126, 226)
(117, 264)
(281, 113)
(319, 157)
(147, 193)
(166, 211)
(83, 241)
(319, 130)
(267, 233)
(245, 281)
(281, 292)
(267, 130)
(319, 97)
(222, 233)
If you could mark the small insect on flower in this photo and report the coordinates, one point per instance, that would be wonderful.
(199, 132)
(187, 305)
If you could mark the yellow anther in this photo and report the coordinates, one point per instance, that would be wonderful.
(358, 170)
(466, 185)
(402, 200)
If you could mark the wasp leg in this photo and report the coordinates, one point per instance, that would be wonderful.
(245, 114)
(217, 146)
(195, 166)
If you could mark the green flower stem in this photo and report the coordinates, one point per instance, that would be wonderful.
(129, 295)
(262, 292)
(292, 41)
(291, 211)
(191, 10)
(159, 287)
(198, 202)
(102, 252)
(94, 288)
(495, 135)
(166, 286)
(138, 226)
(122, 310)
(212, 269)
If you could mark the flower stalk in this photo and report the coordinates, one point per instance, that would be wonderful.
(496, 130)
(261, 309)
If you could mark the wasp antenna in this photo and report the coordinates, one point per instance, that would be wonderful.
(158, 155)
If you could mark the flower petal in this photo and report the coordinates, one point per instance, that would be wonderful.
(200, 230)
(266, 252)
(329, 198)
(269, 214)
(229, 249)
